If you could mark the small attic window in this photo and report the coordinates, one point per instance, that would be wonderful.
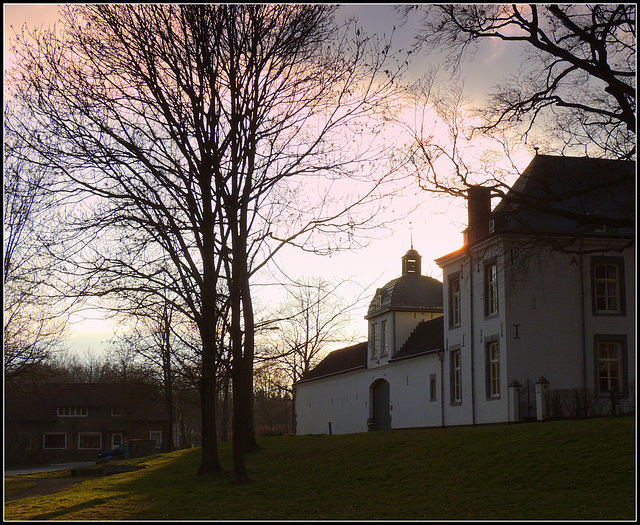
(377, 300)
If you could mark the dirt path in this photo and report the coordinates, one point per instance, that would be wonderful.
(42, 487)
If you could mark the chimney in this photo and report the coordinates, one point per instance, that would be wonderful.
(479, 208)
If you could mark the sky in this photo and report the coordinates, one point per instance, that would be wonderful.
(434, 229)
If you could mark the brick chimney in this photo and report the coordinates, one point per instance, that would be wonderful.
(479, 209)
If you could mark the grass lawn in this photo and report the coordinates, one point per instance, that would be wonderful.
(559, 470)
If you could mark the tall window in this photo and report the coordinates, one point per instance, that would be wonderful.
(607, 286)
(373, 340)
(491, 289)
(383, 338)
(433, 393)
(493, 369)
(609, 366)
(454, 302)
(456, 377)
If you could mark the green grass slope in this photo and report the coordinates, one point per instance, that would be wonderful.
(577, 470)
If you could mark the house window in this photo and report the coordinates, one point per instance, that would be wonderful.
(607, 282)
(373, 340)
(89, 440)
(454, 302)
(493, 369)
(610, 378)
(456, 377)
(433, 393)
(73, 411)
(156, 435)
(117, 440)
(116, 412)
(54, 440)
(383, 338)
(491, 289)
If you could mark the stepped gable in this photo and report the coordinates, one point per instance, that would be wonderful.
(341, 360)
(553, 188)
(428, 336)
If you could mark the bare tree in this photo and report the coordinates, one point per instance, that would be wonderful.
(578, 71)
(313, 319)
(35, 315)
(192, 132)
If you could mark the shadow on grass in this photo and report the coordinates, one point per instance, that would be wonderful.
(67, 510)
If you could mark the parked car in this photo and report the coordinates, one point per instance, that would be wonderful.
(113, 453)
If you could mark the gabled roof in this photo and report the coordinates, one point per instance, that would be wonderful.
(338, 361)
(558, 194)
(426, 337)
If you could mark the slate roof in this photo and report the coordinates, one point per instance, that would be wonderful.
(560, 190)
(411, 291)
(349, 358)
(427, 336)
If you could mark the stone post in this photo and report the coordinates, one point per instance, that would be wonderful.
(542, 385)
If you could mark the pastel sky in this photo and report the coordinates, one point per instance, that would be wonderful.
(435, 228)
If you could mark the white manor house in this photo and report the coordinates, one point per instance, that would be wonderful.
(534, 318)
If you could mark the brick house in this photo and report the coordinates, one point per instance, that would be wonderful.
(52, 422)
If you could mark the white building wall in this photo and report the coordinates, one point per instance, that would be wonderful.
(545, 326)
(343, 399)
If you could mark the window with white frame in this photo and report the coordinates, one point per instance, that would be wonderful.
(90, 440)
(54, 440)
(607, 281)
(456, 377)
(454, 301)
(610, 369)
(433, 393)
(493, 369)
(383, 338)
(73, 411)
(373, 340)
(491, 289)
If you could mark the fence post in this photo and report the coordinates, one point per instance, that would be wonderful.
(542, 386)
(514, 401)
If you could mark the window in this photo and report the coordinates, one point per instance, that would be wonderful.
(116, 412)
(493, 369)
(609, 366)
(54, 440)
(73, 411)
(433, 393)
(383, 338)
(156, 435)
(454, 301)
(456, 376)
(90, 440)
(117, 440)
(491, 289)
(607, 283)
(373, 339)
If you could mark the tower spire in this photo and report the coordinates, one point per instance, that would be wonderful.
(411, 232)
